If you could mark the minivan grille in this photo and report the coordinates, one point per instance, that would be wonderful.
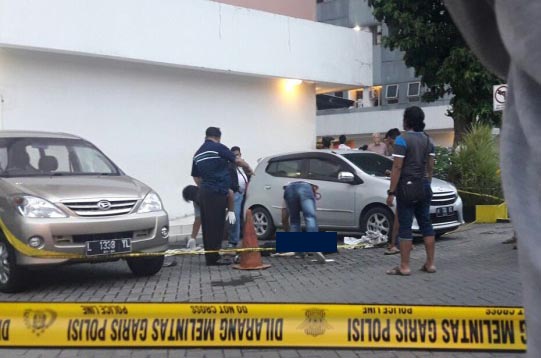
(106, 236)
(443, 198)
(105, 207)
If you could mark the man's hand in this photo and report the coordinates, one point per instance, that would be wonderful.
(231, 218)
(390, 199)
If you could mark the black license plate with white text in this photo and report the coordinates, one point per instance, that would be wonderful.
(108, 247)
(445, 211)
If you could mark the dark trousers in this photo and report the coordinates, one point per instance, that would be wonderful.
(213, 207)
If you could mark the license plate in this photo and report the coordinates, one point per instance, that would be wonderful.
(445, 211)
(108, 247)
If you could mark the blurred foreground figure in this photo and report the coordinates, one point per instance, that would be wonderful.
(505, 35)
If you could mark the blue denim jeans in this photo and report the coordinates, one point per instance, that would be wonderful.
(299, 197)
(234, 230)
(421, 210)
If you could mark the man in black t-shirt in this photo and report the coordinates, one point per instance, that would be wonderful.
(413, 160)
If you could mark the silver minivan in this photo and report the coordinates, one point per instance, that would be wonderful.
(353, 186)
(63, 201)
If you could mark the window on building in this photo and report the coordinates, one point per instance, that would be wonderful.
(374, 95)
(391, 92)
(414, 89)
(339, 94)
(376, 34)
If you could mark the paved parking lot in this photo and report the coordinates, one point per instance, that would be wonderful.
(474, 268)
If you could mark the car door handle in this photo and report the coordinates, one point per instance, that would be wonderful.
(267, 187)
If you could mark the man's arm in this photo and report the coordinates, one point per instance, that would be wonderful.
(395, 176)
(197, 181)
(430, 167)
(242, 163)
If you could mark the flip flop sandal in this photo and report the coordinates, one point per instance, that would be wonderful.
(392, 251)
(396, 272)
(428, 270)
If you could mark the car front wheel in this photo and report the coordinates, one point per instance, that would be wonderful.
(378, 219)
(145, 266)
(264, 226)
(11, 276)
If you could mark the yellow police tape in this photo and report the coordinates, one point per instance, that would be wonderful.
(261, 325)
(480, 195)
(48, 254)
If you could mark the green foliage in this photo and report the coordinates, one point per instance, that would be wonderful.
(433, 46)
(443, 162)
(475, 166)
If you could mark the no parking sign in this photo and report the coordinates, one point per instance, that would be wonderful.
(499, 94)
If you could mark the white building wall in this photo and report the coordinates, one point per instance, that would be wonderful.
(361, 124)
(151, 119)
(198, 34)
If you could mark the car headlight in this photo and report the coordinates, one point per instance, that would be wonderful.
(34, 207)
(151, 203)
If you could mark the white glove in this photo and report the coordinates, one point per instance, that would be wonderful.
(230, 217)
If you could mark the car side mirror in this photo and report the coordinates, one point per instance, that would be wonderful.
(346, 177)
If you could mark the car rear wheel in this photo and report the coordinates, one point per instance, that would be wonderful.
(264, 226)
(11, 276)
(145, 266)
(378, 219)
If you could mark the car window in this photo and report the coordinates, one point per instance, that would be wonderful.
(372, 164)
(92, 161)
(52, 156)
(323, 169)
(61, 154)
(286, 168)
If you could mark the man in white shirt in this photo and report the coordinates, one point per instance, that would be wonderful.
(342, 139)
(235, 229)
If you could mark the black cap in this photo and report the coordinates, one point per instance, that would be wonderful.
(213, 132)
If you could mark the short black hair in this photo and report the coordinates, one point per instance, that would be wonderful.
(235, 149)
(327, 141)
(392, 133)
(342, 139)
(191, 193)
(414, 118)
(213, 132)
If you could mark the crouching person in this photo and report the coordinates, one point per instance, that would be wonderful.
(300, 197)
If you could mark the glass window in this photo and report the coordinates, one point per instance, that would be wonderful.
(392, 91)
(52, 156)
(414, 89)
(92, 161)
(286, 168)
(321, 169)
(370, 163)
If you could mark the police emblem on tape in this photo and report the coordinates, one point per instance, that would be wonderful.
(39, 320)
(315, 322)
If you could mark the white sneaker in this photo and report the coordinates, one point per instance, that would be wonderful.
(191, 244)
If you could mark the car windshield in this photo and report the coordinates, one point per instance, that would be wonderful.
(24, 157)
(371, 163)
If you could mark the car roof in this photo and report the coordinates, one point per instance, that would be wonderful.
(315, 151)
(35, 134)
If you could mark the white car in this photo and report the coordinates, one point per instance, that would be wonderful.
(353, 186)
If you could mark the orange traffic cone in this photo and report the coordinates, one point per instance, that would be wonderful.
(250, 260)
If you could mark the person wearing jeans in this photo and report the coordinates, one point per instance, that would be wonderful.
(413, 160)
(240, 179)
(299, 197)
